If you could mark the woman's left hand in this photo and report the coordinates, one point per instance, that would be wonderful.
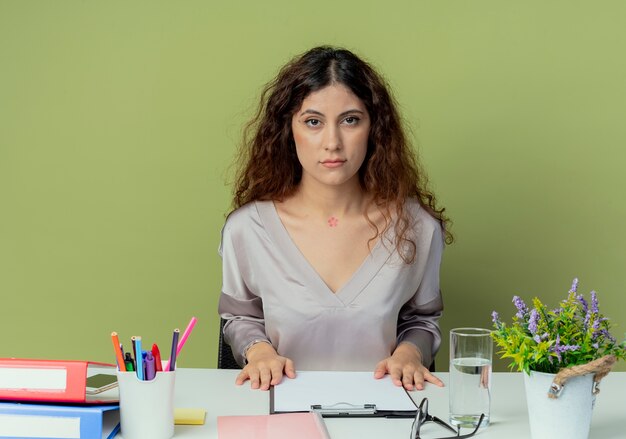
(406, 368)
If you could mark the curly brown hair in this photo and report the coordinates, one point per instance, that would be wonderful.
(268, 168)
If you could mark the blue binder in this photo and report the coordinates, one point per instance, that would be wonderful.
(43, 421)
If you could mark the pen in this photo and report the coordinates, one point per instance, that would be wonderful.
(150, 370)
(139, 358)
(145, 365)
(130, 366)
(158, 366)
(171, 364)
(181, 343)
(132, 341)
(118, 352)
(188, 330)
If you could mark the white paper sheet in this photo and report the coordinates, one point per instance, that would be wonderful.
(329, 388)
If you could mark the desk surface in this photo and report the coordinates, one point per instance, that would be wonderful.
(215, 391)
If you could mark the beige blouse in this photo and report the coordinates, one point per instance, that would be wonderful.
(271, 292)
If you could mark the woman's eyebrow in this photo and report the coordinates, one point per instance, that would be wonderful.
(309, 111)
(317, 113)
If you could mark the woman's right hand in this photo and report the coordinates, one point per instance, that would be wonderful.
(265, 367)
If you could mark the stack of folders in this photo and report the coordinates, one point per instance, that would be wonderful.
(58, 399)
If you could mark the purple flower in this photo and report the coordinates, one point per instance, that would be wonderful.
(607, 335)
(532, 321)
(522, 309)
(597, 331)
(539, 338)
(558, 348)
(594, 302)
(495, 318)
(574, 287)
(583, 302)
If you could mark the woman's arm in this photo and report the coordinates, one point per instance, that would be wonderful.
(418, 331)
(244, 329)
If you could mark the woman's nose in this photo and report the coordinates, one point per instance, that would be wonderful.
(333, 139)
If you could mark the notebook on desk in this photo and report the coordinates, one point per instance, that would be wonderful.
(278, 426)
(341, 394)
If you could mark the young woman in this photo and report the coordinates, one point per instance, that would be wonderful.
(331, 256)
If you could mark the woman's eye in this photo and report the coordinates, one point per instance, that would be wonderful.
(351, 120)
(313, 123)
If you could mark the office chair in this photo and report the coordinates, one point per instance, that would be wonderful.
(225, 358)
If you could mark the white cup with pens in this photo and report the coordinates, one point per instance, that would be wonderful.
(146, 387)
(147, 407)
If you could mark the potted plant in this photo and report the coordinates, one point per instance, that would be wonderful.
(564, 353)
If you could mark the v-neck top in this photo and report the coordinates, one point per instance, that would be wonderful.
(271, 292)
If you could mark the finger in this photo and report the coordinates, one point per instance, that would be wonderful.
(276, 374)
(254, 378)
(381, 369)
(242, 377)
(290, 369)
(396, 375)
(265, 378)
(418, 380)
(408, 378)
(433, 379)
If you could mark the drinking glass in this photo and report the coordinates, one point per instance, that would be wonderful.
(471, 352)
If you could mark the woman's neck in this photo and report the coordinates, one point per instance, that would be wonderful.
(330, 201)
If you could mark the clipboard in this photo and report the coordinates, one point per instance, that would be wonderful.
(341, 394)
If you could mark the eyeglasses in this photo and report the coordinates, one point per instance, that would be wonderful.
(422, 416)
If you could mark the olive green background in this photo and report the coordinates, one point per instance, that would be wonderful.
(119, 119)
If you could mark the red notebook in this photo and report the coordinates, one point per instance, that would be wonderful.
(52, 381)
(283, 426)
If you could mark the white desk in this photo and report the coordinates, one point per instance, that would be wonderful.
(215, 391)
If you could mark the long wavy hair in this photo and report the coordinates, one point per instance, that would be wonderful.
(268, 167)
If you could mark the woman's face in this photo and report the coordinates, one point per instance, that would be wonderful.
(330, 131)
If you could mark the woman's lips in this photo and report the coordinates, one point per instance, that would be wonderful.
(333, 163)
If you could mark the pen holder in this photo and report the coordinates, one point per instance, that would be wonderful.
(146, 407)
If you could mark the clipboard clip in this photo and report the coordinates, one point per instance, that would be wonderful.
(344, 409)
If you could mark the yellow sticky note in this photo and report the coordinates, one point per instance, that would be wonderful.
(186, 416)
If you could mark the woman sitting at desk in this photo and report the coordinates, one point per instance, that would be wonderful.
(331, 256)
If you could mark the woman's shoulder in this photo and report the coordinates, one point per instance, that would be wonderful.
(424, 226)
(244, 224)
(249, 216)
(243, 216)
(421, 216)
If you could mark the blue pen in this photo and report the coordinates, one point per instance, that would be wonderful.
(150, 366)
(143, 357)
(139, 358)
